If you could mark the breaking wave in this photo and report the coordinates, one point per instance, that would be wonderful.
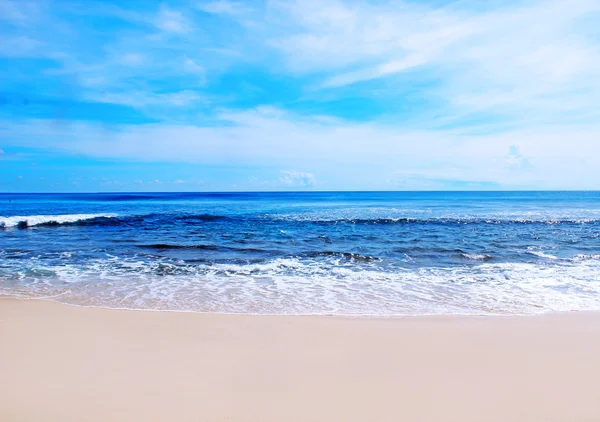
(307, 286)
(165, 219)
(331, 253)
(48, 220)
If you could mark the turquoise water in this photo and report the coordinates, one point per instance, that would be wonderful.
(395, 253)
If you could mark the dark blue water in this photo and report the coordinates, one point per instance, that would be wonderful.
(340, 253)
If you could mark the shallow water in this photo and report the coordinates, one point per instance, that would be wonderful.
(306, 253)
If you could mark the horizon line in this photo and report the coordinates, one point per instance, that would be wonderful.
(303, 191)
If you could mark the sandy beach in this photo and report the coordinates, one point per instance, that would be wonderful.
(66, 363)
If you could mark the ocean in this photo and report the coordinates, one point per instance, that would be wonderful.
(341, 253)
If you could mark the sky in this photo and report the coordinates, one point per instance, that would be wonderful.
(195, 95)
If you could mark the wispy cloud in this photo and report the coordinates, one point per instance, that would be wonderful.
(223, 7)
(19, 12)
(172, 21)
(378, 71)
(403, 92)
(192, 67)
(501, 58)
(145, 99)
(19, 46)
(496, 59)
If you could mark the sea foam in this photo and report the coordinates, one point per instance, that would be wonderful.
(307, 286)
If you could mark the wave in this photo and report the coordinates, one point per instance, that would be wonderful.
(576, 258)
(49, 220)
(584, 257)
(203, 217)
(427, 216)
(170, 218)
(204, 247)
(305, 286)
(99, 197)
(104, 219)
(166, 246)
(541, 254)
(345, 255)
(476, 256)
(135, 220)
(350, 256)
(440, 220)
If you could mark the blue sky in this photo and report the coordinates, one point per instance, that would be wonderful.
(192, 95)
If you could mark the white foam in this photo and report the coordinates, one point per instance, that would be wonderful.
(535, 251)
(553, 216)
(476, 256)
(581, 257)
(300, 286)
(34, 220)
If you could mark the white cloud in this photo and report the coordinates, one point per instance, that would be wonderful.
(191, 66)
(179, 182)
(515, 160)
(20, 12)
(492, 57)
(132, 59)
(341, 152)
(522, 80)
(408, 181)
(19, 46)
(297, 179)
(172, 21)
(373, 73)
(149, 99)
(500, 58)
(470, 58)
(223, 7)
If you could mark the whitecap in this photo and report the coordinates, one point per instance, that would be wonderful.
(35, 220)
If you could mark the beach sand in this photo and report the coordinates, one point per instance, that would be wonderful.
(66, 363)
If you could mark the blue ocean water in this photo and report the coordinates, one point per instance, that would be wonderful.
(375, 253)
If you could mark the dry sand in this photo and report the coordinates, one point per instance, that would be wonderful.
(64, 363)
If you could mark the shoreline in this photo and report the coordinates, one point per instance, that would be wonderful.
(312, 315)
(61, 362)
